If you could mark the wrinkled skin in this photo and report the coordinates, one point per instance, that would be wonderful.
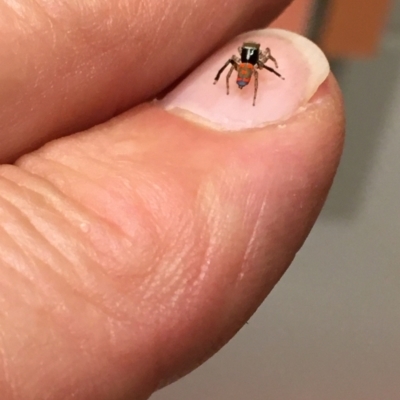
(131, 252)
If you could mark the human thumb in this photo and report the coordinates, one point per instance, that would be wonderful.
(133, 251)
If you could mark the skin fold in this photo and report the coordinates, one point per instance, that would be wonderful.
(68, 65)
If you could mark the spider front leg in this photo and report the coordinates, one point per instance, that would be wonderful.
(261, 65)
(231, 61)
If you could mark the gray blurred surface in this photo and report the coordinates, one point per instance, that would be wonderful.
(331, 328)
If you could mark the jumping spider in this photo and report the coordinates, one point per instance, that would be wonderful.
(251, 59)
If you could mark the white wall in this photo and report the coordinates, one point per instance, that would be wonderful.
(331, 328)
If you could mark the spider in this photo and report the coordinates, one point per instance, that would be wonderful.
(251, 59)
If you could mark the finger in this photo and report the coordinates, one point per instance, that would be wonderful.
(67, 66)
(133, 251)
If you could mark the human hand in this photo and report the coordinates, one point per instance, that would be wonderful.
(131, 252)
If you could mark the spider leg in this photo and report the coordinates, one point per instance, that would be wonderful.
(269, 56)
(262, 65)
(227, 78)
(231, 61)
(255, 87)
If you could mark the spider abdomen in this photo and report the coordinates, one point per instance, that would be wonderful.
(244, 73)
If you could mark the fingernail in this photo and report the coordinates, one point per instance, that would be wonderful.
(301, 63)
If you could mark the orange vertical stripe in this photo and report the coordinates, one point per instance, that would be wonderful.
(353, 27)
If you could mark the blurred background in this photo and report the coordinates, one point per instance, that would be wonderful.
(330, 330)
